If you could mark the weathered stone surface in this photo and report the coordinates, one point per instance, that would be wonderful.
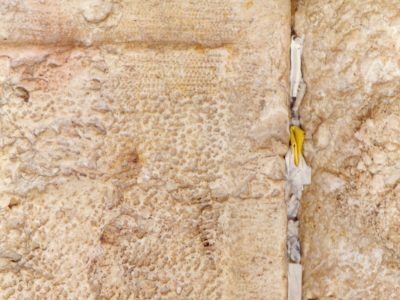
(350, 223)
(148, 165)
(209, 22)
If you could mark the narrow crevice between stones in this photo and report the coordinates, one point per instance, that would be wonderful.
(298, 172)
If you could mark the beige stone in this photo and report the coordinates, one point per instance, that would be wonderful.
(141, 149)
(208, 22)
(350, 226)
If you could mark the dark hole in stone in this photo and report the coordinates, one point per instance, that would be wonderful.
(22, 93)
(13, 203)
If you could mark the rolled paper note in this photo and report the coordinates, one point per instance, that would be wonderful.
(296, 140)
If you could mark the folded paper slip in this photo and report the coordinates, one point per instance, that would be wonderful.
(297, 176)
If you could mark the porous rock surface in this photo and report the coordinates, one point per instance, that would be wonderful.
(141, 147)
(350, 225)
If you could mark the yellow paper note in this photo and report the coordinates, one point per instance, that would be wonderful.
(296, 140)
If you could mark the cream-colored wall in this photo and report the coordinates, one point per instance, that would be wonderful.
(350, 225)
(141, 147)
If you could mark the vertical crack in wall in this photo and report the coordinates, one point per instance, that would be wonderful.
(298, 172)
(293, 6)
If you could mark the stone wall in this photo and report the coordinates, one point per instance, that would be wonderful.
(350, 225)
(141, 147)
(142, 144)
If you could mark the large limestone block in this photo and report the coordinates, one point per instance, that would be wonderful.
(133, 169)
(350, 223)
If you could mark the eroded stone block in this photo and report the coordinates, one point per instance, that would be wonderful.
(349, 224)
(130, 169)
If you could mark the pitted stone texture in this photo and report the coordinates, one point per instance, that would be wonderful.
(145, 171)
(350, 214)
